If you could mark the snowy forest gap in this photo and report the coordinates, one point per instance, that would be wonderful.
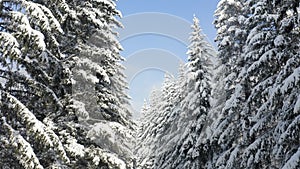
(160, 42)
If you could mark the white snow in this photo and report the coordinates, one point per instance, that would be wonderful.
(293, 162)
(25, 154)
(103, 130)
(8, 41)
(25, 29)
(291, 80)
(289, 13)
(81, 112)
(232, 157)
(88, 76)
(37, 129)
(279, 40)
(74, 147)
(36, 14)
(93, 67)
(297, 105)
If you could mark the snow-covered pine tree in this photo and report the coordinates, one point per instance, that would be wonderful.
(272, 73)
(173, 126)
(231, 33)
(196, 104)
(287, 149)
(256, 85)
(102, 53)
(38, 43)
(192, 103)
(229, 18)
(159, 125)
(144, 148)
(265, 97)
(143, 121)
(165, 119)
(98, 66)
(100, 83)
(158, 129)
(33, 84)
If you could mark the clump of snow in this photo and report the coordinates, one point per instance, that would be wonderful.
(291, 80)
(289, 13)
(39, 39)
(9, 42)
(25, 29)
(279, 41)
(297, 105)
(99, 155)
(114, 160)
(75, 148)
(54, 24)
(102, 130)
(92, 66)
(293, 162)
(80, 110)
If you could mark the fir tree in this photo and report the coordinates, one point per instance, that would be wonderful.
(145, 137)
(196, 105)
(269, 78)
(40, 43)
(258, 101)
(183, 111)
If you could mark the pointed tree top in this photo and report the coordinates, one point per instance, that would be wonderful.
(168, 77)
(196, 20)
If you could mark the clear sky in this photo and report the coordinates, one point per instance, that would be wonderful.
(155, 39)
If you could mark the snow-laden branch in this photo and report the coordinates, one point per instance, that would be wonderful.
(36, 128)
(23, 149)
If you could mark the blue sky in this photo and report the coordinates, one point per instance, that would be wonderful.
(155, 39)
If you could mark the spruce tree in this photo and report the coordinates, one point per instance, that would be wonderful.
(146, 135)
(271, 47)
(228, 94)
(40, 44)
(34, 83)
(186, 117)
(259, 101)
(196, 105)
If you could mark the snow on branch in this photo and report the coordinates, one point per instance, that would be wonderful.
(36, 128)
(291, 81)
(36, 84)
(233, 157)
(223, 158)
(259, 125)
(23, 149)
(110, 5)
(111, 135)
(297, 105)
(93, 67)
(25, 31)
(248, 156)
(293, 162)
(292, 130)
(92, 17)
(54, 24)
(265, 58)
(10, 46)
(80, 109)
(98, 155)
(36, 14)
(72, 146)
